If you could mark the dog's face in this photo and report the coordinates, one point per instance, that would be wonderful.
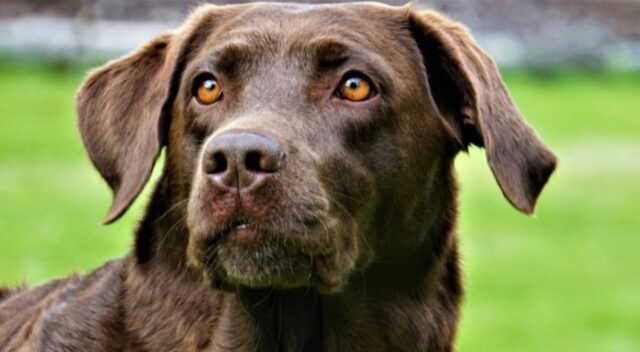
(290, 139)
(298, 137)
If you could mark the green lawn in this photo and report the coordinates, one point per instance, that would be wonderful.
(567, 279)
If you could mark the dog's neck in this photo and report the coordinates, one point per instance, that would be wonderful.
(382, 305)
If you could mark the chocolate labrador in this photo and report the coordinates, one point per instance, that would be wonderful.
(308, 200)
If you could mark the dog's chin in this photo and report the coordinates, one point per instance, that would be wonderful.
(251, 258)
(261, 266)
(257, 259)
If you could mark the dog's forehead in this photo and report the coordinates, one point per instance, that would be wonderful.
(369, 25)
(324, 15)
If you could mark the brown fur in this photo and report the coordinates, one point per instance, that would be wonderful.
(353, 244)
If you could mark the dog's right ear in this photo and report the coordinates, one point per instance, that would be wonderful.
(123, 109)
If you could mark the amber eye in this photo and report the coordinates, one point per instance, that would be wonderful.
(355, 87)
(206, 89)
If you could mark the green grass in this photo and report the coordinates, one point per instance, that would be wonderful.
(567, 279)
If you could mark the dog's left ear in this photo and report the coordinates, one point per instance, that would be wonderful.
(123, 109)
(473, 101)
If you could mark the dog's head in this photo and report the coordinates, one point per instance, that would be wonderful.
(299, 136)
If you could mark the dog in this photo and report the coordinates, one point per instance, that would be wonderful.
(308, 198)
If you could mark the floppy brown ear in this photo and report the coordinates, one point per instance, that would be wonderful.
(123, 110)
(120, 109)
(474, 103)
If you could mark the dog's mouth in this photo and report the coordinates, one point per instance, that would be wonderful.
(260, 241)
(240, 231)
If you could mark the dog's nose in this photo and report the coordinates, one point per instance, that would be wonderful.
(241, 159)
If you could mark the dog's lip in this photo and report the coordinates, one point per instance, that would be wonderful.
(243, 233)
(308, 234)
(234, 224)
(242, 226)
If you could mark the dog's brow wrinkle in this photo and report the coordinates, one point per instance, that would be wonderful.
(231, 56)
(329, 53)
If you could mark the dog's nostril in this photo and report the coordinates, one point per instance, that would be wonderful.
(219, 163)
(252, 162)
(258, 161)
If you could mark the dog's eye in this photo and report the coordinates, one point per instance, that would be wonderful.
(207, 89)
(355, 87)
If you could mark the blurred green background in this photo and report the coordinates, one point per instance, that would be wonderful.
(567, 279)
